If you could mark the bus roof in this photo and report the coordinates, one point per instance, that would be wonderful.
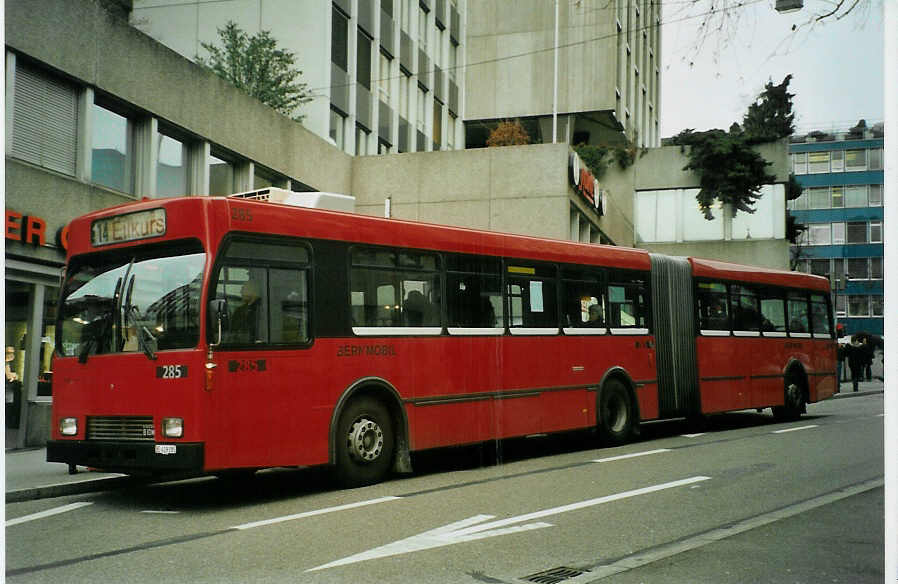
(703, 268)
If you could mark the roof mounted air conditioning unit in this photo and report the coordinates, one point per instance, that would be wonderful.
(310, 199)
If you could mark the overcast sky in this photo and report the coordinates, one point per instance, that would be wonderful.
(837, 66)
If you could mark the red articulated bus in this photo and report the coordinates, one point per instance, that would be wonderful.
(207, 334)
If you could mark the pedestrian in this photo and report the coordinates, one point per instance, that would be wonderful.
(840, 364)
(856, 356)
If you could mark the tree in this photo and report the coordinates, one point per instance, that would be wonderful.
(255, 65)
(730, 170)
(508, 134)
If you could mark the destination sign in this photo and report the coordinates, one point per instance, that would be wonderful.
(121, 228)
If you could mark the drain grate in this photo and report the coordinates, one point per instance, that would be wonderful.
(554, 575)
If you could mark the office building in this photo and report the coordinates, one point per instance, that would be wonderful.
(841, 208)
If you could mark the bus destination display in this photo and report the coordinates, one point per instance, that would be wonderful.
(140, 225)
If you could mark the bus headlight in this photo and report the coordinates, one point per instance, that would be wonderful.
(68, 426)
(173, 427)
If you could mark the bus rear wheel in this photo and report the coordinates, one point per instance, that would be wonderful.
(617, 416)
(793, 401)
(364, 443)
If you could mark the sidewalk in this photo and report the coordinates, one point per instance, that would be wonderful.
(29, 476)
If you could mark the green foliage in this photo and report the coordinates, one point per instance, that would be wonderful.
(255, 65)
(729, 169)
(793, 188)
(793, 229)
(508, 134)
(598, 157)
(770, 117)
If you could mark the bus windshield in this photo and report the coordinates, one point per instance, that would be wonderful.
(145, 299)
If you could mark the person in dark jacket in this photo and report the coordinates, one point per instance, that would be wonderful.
(856, 355)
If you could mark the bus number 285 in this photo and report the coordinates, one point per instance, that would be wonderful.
(171, 371)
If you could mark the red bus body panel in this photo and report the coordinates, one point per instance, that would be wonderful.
(272, 407)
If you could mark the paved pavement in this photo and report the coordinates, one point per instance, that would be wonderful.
(29, 476)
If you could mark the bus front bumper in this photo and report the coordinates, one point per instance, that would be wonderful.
(128, 457)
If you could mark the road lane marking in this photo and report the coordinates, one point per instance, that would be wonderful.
(473, 528)
(314, 513)
(634, 455)
(155, 512)
(47, 513)
(665, 551)
(694, 435)
(795, 429)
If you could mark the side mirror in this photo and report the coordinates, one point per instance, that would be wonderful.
(218, 317)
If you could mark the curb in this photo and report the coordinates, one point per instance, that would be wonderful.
(63, 489)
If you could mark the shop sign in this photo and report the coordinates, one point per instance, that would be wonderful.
(32, 230)
(585, 183)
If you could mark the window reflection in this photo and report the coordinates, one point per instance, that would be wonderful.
(171, 167)
(112, 153)
(221, 176)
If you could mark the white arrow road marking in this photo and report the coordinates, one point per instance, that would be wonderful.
(472, 528)
(47, 513)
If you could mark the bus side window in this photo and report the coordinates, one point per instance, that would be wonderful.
(820, 315)
(798, 313)
(531, 296)
(628, 305)
(773, 312)
(711, 300)
(583, 299)
(745, 310)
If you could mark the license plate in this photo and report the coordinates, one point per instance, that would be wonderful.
(166, 449)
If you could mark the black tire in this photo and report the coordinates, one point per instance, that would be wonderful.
(364, 443)
(793, 400)
(617, 414)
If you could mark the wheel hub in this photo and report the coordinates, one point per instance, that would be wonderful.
(365, 440)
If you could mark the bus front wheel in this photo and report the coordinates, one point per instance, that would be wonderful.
(364, 443)
(617, 416)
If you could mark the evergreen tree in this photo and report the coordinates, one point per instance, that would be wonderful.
(257, 66)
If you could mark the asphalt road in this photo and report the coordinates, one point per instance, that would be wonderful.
(743, 499)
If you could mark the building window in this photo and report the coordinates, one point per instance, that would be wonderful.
(337, 128)
(856, 196)
(800, 163)
(453, 60)
(404, 82)
(838, 233)
(383, 83)
(45, 120)
(876, 268)
(818, 162)
(876, 232)
(363, 60)
(857, 268)
(450, 132)
(858, 306)
(876, 306)
(112, 144)
(837, 162)
(171, 166)
(361, 141)
(263, 178)
(819, 198)
(819, 267)
(855, 160)
(819, 234)
(876, 159)
(838, 197)
(422, 28)
(422, 105)
(340, 40)
(856, 232)
(221, 176)
(437, 124)
(875, 199)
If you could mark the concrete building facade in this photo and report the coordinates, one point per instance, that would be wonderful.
(384, 74)
(607, 62)
(841, 207)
